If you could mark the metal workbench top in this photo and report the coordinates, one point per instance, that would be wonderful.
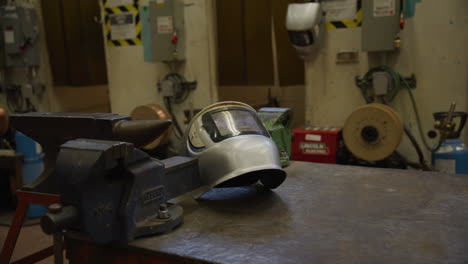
(327, 214)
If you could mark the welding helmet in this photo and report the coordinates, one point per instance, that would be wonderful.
(233, 147)
(305, 25)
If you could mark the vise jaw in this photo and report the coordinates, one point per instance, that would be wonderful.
(112, 191)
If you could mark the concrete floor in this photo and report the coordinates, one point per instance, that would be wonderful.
(31, 240)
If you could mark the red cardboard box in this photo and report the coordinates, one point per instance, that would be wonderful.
(316, 144)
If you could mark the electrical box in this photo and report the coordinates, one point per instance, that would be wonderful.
(167, 30)
(380, 24)
(381, 83)
(20, 36)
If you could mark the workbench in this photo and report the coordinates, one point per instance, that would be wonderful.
(321, 214)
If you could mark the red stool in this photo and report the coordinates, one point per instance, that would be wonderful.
(26, 198)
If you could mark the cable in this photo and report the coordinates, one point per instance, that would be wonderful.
(181, 89)
(414, 142)
(418, 120)
(168, 104)
(418, 149)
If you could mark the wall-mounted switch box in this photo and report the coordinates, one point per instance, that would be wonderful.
(20, 36)
(167, 30)
(380, 24)
(381, 83)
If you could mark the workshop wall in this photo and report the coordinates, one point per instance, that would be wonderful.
(433, 48)
(133, 82)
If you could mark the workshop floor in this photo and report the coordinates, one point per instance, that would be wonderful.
(31, 240)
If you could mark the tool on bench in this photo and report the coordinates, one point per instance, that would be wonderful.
(109, 190)
(51, 130)
(112, 191)
(233, 147)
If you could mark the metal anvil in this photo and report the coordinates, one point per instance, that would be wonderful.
(51, 130)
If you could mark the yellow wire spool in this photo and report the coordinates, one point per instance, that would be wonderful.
(153, 112)
(373, 132)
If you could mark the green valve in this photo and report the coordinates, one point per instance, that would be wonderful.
(278, 122)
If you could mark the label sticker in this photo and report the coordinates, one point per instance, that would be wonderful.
(113, 3)
(313, 137)
(314, 148)
(165, 25)
(384, 8)
(9, 35)
(160, 3)
(152, 195)
(122, 26)
(339, 9)
(445, 165)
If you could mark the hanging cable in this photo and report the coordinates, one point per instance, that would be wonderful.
(168, 105)
(414, 142)
(175, 89)
(418, 119)
(418, 149)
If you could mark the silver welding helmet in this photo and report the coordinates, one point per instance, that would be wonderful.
(233, 147)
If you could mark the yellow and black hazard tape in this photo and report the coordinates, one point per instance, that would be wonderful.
(134, 9)
(348, 23)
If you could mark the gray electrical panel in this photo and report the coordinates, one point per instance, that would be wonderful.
(167, 30)
(20, 36)
(380, 24)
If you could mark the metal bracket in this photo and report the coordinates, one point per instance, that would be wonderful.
(360, 81)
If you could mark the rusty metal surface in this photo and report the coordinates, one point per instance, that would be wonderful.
(327, 214)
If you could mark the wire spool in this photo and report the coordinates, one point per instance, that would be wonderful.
(153, 112)
(4, 120)
(373, 132)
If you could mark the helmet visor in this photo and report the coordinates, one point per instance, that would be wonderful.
(224, 124)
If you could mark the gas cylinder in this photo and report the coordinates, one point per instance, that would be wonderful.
(33, 166)
(452, 155)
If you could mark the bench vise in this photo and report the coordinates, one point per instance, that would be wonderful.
(111, 191)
